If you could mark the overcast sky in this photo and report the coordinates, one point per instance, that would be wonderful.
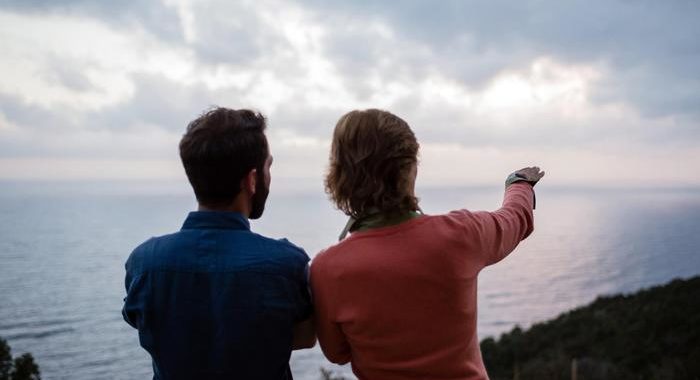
(604, 92)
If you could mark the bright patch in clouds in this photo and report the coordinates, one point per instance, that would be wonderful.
(545, 84)
(60, 61)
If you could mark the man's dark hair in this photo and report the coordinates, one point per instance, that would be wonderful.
(219, 149)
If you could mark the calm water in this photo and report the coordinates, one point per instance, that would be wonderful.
(62, 249)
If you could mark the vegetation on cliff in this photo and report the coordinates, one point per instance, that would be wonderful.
(652, 334)
(20, 368)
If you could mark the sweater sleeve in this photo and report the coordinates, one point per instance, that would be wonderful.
(493, 235)
(502, 230)
(330, 336)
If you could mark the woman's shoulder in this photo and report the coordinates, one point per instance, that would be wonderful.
(323, 264)
(331, 253)
(340, 256)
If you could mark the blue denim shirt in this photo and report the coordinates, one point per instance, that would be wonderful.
(217, 301)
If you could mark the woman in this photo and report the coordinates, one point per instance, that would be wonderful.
(397, 298)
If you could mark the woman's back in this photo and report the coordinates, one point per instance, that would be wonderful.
(400, 301)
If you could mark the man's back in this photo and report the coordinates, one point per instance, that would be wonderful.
(216, 301)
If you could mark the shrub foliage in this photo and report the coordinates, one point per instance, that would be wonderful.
(21, 368)
(653, 334)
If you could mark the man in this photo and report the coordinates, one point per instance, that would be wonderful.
(215, 300)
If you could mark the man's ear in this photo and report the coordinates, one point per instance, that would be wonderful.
(250, 181)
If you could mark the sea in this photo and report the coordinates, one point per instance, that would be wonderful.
(63, 247)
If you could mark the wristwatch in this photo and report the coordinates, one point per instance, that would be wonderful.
(515, 177)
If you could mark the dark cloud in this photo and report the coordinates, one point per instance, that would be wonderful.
(32, 116)
(68, 74)
(156, 101)
(21, 114)
(232, 33)
(151, 15)
(226, 32)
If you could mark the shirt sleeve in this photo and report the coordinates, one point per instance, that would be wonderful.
(300, 298)
(138, 287)
(330, 336)
(497, 233)
(304, 307)
(135, 300)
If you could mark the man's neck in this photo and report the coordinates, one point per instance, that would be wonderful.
(235, 206)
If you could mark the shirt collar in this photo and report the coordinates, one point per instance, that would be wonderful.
(216, 220)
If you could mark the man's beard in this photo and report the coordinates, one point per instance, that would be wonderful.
(260, 196)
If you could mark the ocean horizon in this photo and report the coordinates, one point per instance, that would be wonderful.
(63, 246)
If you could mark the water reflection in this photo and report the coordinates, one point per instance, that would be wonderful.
(587, 244)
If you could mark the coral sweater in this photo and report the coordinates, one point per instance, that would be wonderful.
(399, 302)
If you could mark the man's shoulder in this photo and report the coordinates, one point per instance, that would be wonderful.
(145, 254)
(159, 242)
(171, 251)
(282, 247)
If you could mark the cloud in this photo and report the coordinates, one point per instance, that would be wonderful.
(160, 18)
(642, 43)
(77, 63)
(109, 81)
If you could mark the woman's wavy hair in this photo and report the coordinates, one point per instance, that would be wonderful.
(372, 155)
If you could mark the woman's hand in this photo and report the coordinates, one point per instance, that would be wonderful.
(530, 175)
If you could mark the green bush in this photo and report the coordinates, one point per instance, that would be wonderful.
(21, 368)
(653, 334)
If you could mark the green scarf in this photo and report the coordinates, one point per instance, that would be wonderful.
(376, 220)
